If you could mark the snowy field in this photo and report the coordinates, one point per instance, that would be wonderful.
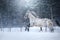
(33, 34)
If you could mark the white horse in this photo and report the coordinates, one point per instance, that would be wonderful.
(38, 22)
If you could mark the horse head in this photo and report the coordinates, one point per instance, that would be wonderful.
(30, 14)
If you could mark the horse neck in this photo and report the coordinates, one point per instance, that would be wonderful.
(31, 16)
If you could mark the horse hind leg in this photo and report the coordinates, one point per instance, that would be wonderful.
(52, 29)
(45, 29)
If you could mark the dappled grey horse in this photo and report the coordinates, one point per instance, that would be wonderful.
(39, 22)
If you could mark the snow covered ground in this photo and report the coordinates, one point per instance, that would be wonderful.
(32, 29)
(33, 34)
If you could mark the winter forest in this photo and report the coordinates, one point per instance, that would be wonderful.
(12, 11)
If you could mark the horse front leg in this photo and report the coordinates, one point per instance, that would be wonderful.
(25, 28)
(40, 28)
